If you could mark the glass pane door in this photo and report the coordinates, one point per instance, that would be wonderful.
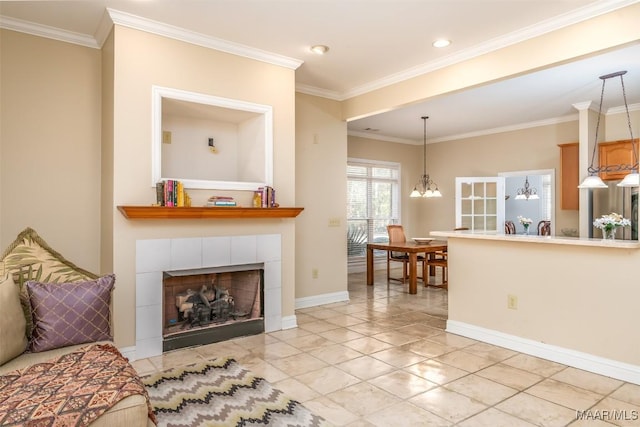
(480, 203)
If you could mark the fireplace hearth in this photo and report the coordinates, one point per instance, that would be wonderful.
(208, 305)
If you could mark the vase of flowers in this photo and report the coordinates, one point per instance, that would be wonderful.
(526, 222)
(609, 224)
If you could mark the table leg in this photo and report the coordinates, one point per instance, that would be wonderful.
(369, 267)
(413, 273)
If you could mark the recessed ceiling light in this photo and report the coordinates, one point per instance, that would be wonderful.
(441, 43)
(320, 49)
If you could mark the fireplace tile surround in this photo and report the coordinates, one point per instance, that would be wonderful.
(154, 256)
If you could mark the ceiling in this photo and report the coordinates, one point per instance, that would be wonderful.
(377, 42)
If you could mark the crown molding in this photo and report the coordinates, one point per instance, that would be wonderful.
(112, 16)
(177, 33)
(315, 91)
(483, 132)
(580, 106)
(621, 109)
(612, 110)
(46, 31)
(104, 29)
(538, 123)
(510, 128)
(590, 11)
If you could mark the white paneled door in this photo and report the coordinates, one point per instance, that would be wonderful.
(480, 203)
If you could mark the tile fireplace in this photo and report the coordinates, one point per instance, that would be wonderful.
(214, 260)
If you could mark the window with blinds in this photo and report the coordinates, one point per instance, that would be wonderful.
(373, 202)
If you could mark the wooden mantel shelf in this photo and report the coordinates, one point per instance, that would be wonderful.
(161, 212)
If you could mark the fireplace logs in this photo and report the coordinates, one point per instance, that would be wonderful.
(207, 306)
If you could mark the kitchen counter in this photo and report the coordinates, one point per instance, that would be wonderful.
(550, 240)
(570, 300)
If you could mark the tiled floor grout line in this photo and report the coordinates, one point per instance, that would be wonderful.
(383, 317)
(444, 385)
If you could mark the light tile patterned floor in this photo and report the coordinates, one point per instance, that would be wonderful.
(383, 359)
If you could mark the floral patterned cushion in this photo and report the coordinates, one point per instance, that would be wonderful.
(29, 257)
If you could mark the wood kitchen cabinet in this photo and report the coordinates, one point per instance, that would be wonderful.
(615, 154)
(569, 165)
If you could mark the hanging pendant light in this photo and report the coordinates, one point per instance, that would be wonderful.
(630, 180)
(633, 178)
(527, 192)
(425, 185)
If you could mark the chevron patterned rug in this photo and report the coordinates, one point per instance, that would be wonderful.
(222, 393)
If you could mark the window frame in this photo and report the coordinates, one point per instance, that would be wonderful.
(396, 210)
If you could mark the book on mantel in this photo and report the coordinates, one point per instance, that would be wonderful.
(221, 201)
(170, 193)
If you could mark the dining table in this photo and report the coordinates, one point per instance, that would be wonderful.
(410, 248)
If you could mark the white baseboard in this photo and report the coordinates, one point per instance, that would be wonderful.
(129, 352)
(315, 300)
(289, 322)
(588, 362)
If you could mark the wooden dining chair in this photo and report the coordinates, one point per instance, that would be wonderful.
(509, 227)
(544, 228)
(441, 259)
(396, 235)
(442, 262)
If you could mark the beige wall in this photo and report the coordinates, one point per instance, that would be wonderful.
(321, 188)
(142, 60)
(50, 144)
(560, 302)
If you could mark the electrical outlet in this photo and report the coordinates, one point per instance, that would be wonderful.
(314, 273)
(334, 222)
(512, 302)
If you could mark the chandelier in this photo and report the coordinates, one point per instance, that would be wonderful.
(527, 192)
(632, 179)
(425, 187)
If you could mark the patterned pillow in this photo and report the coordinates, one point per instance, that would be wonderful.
(12, 323)
(29, 257)
(70, 313)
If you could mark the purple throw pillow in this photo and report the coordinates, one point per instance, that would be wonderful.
(70, 313)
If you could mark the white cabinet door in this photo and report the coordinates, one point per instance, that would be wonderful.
(480, 203)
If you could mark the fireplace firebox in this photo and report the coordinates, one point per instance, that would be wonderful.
(208, 305)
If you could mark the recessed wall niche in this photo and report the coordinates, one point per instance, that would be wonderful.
(241, 157)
